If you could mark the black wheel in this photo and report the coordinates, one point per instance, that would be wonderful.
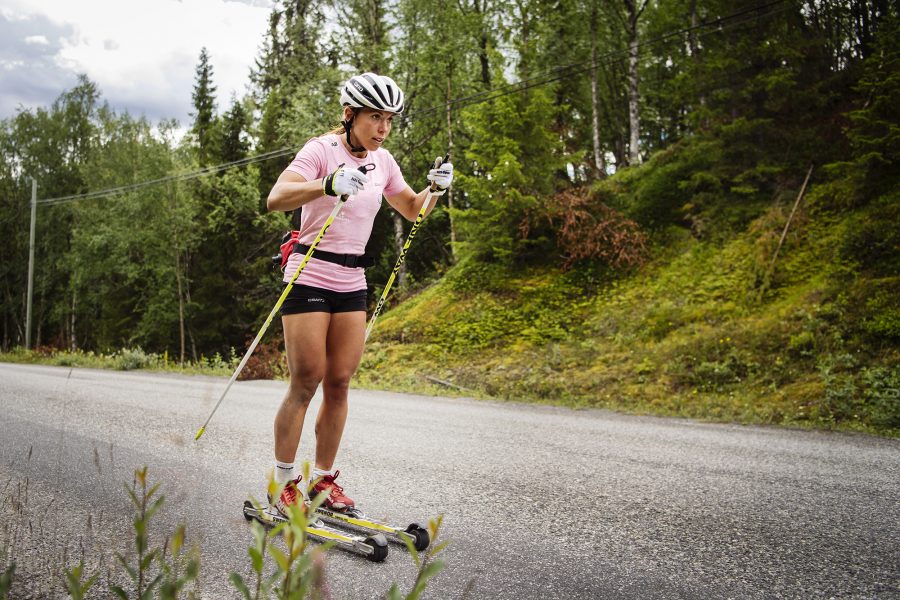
(379, 546)
(248, 505)
(421, 539)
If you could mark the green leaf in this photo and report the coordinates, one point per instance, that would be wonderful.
(317, 502)
(6, 580)
(192, 569)
(280, 558)
(411, 548)
(238, 582)
(256, 559)
(178, 539)
(154, 507)
(148, 591)
(152, 491)
(133, 496)
(128, 568)
(119, 592)
(141, 476)
(432, 569)
(425, 574)
(438, 549)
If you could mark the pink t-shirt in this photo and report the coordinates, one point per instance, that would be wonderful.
(351, 228)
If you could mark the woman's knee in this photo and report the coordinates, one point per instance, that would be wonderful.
(304, 382)
(337, 386)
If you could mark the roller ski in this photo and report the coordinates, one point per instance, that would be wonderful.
(372, 546)
(339, 510)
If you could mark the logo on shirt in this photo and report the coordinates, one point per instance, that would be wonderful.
(334, 144)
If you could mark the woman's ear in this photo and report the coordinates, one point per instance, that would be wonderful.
(348, 113)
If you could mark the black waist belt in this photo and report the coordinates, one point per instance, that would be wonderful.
(345, 260)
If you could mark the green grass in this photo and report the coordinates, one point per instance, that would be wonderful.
(698, 332)
(703, 330)
(127, 359)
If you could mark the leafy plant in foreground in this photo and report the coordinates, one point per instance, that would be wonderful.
(75, 586)
(298, 570)
(6, 581)
(172, 577)
(299, 565)
(428, 566)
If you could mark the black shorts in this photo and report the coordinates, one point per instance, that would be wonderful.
(305, 298)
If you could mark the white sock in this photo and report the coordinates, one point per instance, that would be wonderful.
(316, 473)
(284, 472)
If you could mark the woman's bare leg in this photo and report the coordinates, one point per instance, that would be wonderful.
(305, 342)
(344, 348)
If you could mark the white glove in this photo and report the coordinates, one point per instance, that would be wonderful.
(344, 182)
(441, 176)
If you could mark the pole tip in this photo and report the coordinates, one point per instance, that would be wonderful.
(199, 433)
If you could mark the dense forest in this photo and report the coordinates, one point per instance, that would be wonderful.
(629, 178)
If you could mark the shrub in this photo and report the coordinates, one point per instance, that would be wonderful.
(872, 236)
(587, 229)
(267, 362)
(134, 358)
(881, 393)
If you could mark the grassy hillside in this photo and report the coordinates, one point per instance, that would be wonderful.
(699, 331)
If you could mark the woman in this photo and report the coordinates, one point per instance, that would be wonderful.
(324, 316)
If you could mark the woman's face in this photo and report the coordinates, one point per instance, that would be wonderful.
(370, 127)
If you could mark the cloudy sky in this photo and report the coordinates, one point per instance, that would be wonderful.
(142, 55)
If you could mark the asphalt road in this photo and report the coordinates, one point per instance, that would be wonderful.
(538, 502)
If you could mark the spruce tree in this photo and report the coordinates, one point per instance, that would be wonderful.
(235, 143)
(204, 102)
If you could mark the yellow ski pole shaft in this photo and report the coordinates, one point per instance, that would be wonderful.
(403, 252)
(287, 289)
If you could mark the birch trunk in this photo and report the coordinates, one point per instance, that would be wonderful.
(634, 117)
(595, 112)
(450, 191)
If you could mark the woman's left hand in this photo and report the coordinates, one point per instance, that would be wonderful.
(442, 176)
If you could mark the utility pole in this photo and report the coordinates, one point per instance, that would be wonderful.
(31, 263)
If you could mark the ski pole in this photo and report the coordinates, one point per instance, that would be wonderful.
(412, 233)
(312, 248)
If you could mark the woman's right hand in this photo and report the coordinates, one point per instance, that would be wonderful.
(344, 182)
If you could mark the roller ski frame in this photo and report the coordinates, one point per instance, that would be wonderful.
(354, 520)
(373, 546)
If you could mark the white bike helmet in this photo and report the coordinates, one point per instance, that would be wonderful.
(373, 91)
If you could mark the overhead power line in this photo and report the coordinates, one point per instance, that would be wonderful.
(549, 76)
(124, 189)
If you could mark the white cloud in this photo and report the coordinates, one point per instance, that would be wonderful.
(37, 39)
(143, 55)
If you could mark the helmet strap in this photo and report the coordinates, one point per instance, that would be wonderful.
(347, 125)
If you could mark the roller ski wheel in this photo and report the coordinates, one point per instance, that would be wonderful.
(374, 546)
(421, 538)
(355, 520)
(379, 548)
